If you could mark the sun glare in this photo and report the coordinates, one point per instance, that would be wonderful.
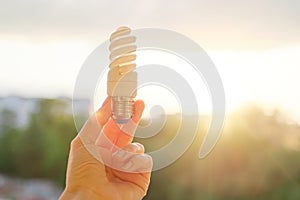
(267, 77)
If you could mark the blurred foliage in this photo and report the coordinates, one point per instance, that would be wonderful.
(257, 157)
(39, 150)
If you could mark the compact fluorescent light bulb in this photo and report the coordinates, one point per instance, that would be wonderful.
(122, 79)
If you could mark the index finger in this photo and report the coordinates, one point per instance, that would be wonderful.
(139, 107)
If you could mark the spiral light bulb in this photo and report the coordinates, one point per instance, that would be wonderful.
(122, 79)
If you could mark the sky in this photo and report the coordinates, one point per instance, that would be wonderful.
(255, 45)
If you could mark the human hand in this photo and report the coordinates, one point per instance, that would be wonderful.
(103, 163)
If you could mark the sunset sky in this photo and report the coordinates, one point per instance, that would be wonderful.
(255, 44)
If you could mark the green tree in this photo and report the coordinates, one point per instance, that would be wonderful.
(42, 148)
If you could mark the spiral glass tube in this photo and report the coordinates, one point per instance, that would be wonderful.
(122, 79)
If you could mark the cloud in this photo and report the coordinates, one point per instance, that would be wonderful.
(219, 24)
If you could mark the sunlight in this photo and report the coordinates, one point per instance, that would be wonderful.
(53, 65)
(269, 77)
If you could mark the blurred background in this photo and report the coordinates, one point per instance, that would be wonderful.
(255, 46)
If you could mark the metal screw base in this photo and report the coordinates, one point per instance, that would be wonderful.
(122, 109)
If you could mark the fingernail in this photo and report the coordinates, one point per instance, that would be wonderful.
(127, 165)
(136, 147)
(120, 153)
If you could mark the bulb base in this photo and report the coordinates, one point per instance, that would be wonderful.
(122, 109)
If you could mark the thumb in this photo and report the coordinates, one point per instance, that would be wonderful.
(93, 126)
(85, 140)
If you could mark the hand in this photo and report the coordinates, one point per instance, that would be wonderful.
(103, 163)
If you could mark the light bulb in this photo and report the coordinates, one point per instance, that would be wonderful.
(122, 79)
